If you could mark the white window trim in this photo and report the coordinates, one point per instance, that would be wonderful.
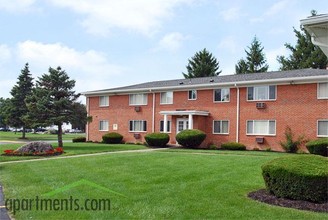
(137, 131)
(190, 91)
(318, 91)
(263, 100)
(221, 133)
(170, 127)
(318, 128)
(275, 128)
(107, 125)
(100, 105)
(145, 94)
(221, 101)
(166, 103)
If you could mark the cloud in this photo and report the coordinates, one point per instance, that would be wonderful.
(142, 16)
(16, 5)
(277, 7)
(5, 53)
(229, 43)
(231, 14)
(91, 69)
(271, 57)
(172, 41)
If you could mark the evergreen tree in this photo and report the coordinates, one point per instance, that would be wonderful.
(255, 60)
(304, 55)
(5, 105)
(18, 108)
(52, 101)
(202, 64)
(79, 119)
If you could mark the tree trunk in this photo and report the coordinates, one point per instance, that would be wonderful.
(60, 136)
(23, 135)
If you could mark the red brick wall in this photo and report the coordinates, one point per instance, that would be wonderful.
(296, 106)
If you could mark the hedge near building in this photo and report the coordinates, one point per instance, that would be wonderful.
(301, 177)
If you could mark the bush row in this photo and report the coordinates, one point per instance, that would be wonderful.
(319, 147)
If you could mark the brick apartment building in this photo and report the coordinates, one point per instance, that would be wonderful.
(253, 109)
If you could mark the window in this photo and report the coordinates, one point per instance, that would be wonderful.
(258, 93)
(103, 101)
(261, 127)
(161, 126)
(220, 127)
(323, 90)
(222, 95)
(138, 125)
(166, 97)
(323, 128)
(192, 94)
(103, 125)
(138, 99)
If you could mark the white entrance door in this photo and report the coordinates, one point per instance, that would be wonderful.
(182, 124)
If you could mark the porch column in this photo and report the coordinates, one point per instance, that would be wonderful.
(190, 122)
(165, 124)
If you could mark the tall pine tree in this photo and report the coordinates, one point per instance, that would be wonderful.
(202, 64)
(255, 60)
(52, 101)
(18, 108)
(304, 55)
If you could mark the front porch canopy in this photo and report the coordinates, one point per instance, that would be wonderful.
(189, 113)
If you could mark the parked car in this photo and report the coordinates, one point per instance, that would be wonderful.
(4, 129)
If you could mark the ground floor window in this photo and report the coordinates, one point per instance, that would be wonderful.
(323, 128)
(138, 125)
(103, 125)
(221, 127)
(161, 126)
(261, 127)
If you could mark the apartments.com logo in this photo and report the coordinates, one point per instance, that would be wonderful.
(46, 203)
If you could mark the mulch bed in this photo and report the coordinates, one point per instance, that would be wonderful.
(263, 195)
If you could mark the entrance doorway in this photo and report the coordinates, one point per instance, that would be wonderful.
(182, 124)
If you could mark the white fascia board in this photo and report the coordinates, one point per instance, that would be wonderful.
(187, 112)
(280, 81)
(314, 20)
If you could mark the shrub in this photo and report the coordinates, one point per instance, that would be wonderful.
(301, 177)
(79, 139)
(233, 146)
(319, 146)
(291, 145)
(190, 138)
(157, 139)
(112, 138)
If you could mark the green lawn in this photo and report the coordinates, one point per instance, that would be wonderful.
(152, 185)
(11, 136)
(72, 149)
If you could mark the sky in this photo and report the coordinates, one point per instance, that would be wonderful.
(103, 44)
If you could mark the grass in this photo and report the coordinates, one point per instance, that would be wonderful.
(72, 149)
(155, 185)
(12, 136)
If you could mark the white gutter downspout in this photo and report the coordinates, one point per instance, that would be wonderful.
(237, 115)
(153, 116)
(88, 124)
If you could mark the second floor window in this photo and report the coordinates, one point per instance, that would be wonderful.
(192, 94)
(323, 90)
(103, 101)
(166, 97)
(222, 95)
(138, 99)
(258, 93)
